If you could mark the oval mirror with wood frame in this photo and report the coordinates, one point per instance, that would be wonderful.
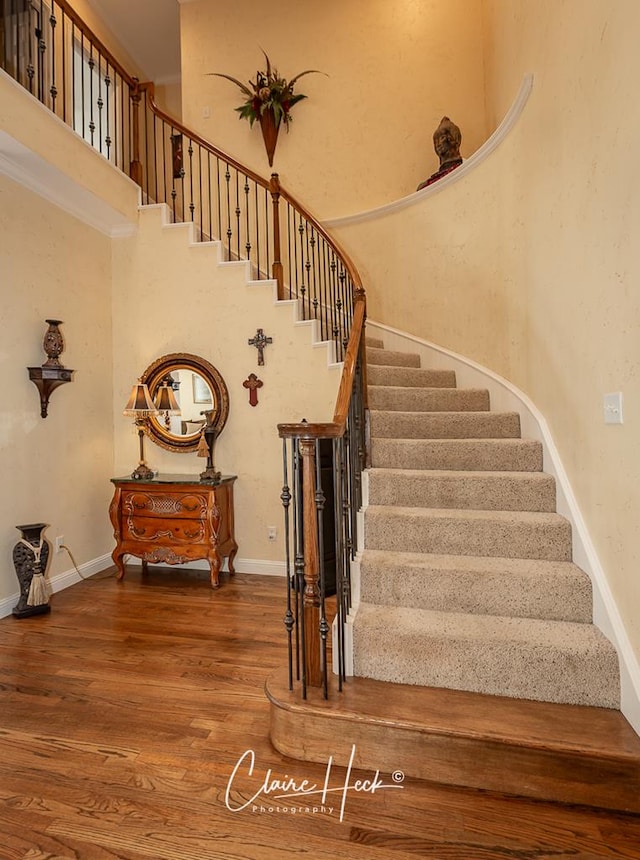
(196, 389)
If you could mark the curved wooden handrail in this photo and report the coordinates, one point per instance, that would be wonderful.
(219, 153)
(87, 31)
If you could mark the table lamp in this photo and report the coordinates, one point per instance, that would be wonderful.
(140, 407)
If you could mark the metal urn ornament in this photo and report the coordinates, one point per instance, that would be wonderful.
(51, 374)
(30, 557)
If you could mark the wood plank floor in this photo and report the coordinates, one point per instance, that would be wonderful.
(124, 713)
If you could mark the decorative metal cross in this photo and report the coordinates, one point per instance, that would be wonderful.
(253, 384)
(260, 341)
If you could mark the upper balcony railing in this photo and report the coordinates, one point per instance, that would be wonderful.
(52, 53)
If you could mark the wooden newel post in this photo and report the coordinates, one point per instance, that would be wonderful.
(135, 168)
(276, 267)
(311, 596)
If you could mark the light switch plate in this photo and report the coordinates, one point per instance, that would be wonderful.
(612, 405)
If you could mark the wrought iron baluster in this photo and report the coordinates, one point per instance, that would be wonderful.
(192, 206)
(256, 205)
(238, 213)
(100, 102)
(200, 193)
(325, 304)
(107, 88)
(312, 279)
(247, 239)
(303, 287)
(299, 566)
(227, 177)
(338, 504)
(84, 130)
(146, 160)
(212, 234)
(218, 187)
(335, 331)
(267, 238)
(42, 47)
(289, 276)
(63, 39)
(323, 625)
(91, 64)
(289, 619)
(53, 92)
(307, 267)
(174, 192)
(164, 160)
(31, 70)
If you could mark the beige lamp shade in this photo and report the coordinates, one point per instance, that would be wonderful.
(166, 400)
(140, 403)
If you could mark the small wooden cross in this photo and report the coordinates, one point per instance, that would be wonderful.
(253, 384)
(260, 341)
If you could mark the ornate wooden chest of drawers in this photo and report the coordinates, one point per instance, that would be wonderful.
(173, 519)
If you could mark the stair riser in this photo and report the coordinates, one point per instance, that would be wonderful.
(529, 492)
(511, 669)
(460, 739)
(374, 342)
(444, 425)
(458, 455)
(428, 399)
(410, 376)
(457, 536)
(478, 593)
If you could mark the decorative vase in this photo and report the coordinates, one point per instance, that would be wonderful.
(270, 131)
(30, 557)
(53, 344)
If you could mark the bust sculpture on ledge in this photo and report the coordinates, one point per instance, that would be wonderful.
(446, 142)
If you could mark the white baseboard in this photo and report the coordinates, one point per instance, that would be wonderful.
(507, 397)
(61, 581)
(69, 577)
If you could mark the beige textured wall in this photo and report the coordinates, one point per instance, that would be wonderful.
(530, 265)
(364, 136)
(54, 470)
(169, 297)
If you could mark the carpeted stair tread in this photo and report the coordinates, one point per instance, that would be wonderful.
(508, 534)
(391, 357)
(478, 455)
(407, 399)
(410, 376)
(495, 491)
(443, 425)
(521, 588)
(554, 661)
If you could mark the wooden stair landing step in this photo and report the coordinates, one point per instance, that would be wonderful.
(565, 753)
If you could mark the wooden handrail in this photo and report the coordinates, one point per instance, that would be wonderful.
(267, 184)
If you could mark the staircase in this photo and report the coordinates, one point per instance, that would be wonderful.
(475, 658)
(467, 581)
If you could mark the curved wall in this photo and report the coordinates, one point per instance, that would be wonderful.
(364, 136)
(528, 265)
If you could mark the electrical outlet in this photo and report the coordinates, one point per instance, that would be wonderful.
(59, 542)
(272, 532)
